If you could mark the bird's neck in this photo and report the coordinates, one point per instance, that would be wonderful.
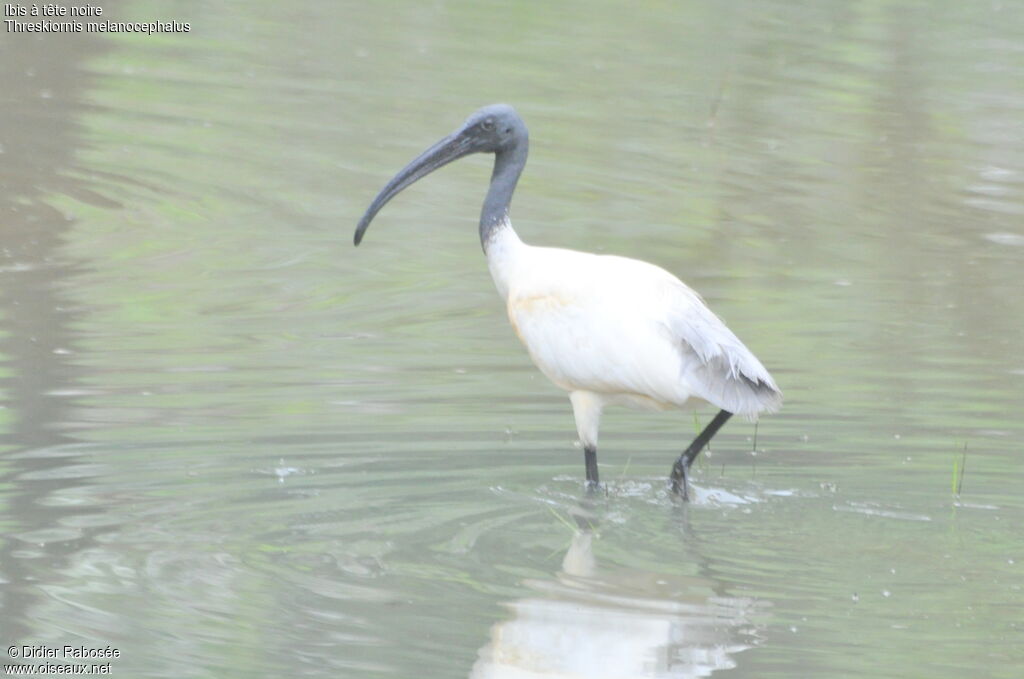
(505, 253)
(508, 165)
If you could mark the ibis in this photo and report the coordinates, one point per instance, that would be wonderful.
(607, 329)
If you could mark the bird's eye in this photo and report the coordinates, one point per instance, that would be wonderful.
(487, 125)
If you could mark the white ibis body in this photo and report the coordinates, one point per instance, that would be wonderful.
(606, 329)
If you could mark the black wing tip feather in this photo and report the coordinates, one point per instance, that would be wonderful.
(766, 393)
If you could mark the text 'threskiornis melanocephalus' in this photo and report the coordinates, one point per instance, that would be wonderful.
(606, 329)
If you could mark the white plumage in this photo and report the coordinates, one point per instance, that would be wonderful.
(611, 330)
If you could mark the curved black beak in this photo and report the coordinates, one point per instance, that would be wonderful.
(449, 149)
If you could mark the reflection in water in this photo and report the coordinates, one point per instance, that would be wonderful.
(39, 137)
(593, 622)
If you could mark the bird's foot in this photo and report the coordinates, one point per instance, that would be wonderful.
(678, 480)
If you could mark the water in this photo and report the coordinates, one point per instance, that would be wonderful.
(235, 446)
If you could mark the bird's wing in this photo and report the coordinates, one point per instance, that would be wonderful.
(618, 325)
(716, 365)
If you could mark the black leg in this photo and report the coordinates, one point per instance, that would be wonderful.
(678, 478)
(682, 465)
(590, 458)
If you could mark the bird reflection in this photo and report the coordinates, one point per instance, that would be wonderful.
(602, 623)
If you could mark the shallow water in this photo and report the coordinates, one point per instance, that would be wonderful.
(234, 445)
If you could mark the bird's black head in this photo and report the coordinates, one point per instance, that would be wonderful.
(494, 129)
